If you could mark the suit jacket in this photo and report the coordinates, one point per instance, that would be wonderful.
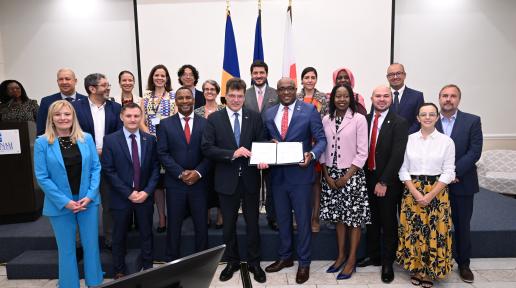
(409, 104)
(199, 99)
(218, 144)
(305, 126)
(43, 109)
(112, 121)
(270, 98)
(390, 146)
(468, 139)
(176, 155)
(349, 142)
(50, 172)
(117, 166)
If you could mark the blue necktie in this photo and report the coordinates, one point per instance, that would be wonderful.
(236, 129)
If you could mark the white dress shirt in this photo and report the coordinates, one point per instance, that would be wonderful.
(279, 115)
(190, 121)
(432, 156)
(401, 90)
(99, 122)
(380, 122)
(231, 115)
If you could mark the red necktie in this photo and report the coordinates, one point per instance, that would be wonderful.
(187, 130)
(136, 163)
(372, 148)
(284, 123)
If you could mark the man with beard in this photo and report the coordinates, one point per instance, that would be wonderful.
(99, 117)
(466, 132)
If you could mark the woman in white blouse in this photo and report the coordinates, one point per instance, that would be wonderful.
(425, 245)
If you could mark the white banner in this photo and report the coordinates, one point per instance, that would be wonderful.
(9, 142)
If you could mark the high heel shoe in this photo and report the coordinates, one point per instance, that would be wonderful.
(333, 269)
(343, 276)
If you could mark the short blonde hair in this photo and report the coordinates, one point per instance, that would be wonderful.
(50, 130)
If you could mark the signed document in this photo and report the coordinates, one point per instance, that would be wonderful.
(282, 153)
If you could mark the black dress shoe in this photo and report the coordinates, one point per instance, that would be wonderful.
(465, 274)
(218, 226)
(227, 273)
(368, 262)
(273, 225)
(278, 265)
(387, 273)
(258, 273)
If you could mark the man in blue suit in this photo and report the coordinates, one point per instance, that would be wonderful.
(99, 117)
(66, 81)
(130, 165)
(466, 131)
(179, 149)
(405, 101)
(294, 121)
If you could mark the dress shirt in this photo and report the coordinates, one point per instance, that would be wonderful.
(256, 88)
(432, 156)
(129, 142)
(448, 123)
(232, 118)
(73, 96)
(190, 121)
(401, 90)
(279, 114)
(99, 122)
(380, 122)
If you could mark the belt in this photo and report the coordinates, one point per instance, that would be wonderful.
(425, 178)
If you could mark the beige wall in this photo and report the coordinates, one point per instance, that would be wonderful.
(505, 144)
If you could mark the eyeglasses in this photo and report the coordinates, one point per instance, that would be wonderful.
(397, 74)
(286, 89)
(188, 75)
(431, 115)
(210, 89)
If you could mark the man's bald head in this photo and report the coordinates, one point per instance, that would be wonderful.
(66, 81)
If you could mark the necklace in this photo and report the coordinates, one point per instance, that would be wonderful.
(65, 142)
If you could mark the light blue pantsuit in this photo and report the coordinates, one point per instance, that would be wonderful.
(65, 227)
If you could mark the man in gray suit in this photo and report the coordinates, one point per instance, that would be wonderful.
(259, 98)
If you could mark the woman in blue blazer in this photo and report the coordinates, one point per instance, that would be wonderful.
(67, 169)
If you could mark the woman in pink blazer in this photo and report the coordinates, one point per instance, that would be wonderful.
(344, 193)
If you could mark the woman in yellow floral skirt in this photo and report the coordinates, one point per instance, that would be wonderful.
(425, 244)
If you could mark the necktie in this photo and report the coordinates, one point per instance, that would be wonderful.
(372, 148)
(136, 163)
(284, 123)
(187, 130)
(236, 129)
(396, 101)
(260, 99)
(69, 99)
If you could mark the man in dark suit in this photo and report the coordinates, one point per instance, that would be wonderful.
(294, 121)
(99, 117)
(388, 135)
(406, 101)
(66, 81)
(188, 77)
(179, 149)
(130, 165)
(227, 141)
(260, 97)
(466, 132)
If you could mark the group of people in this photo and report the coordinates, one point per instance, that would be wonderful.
(407, 159)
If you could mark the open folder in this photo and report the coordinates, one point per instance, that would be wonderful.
(281, 153)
